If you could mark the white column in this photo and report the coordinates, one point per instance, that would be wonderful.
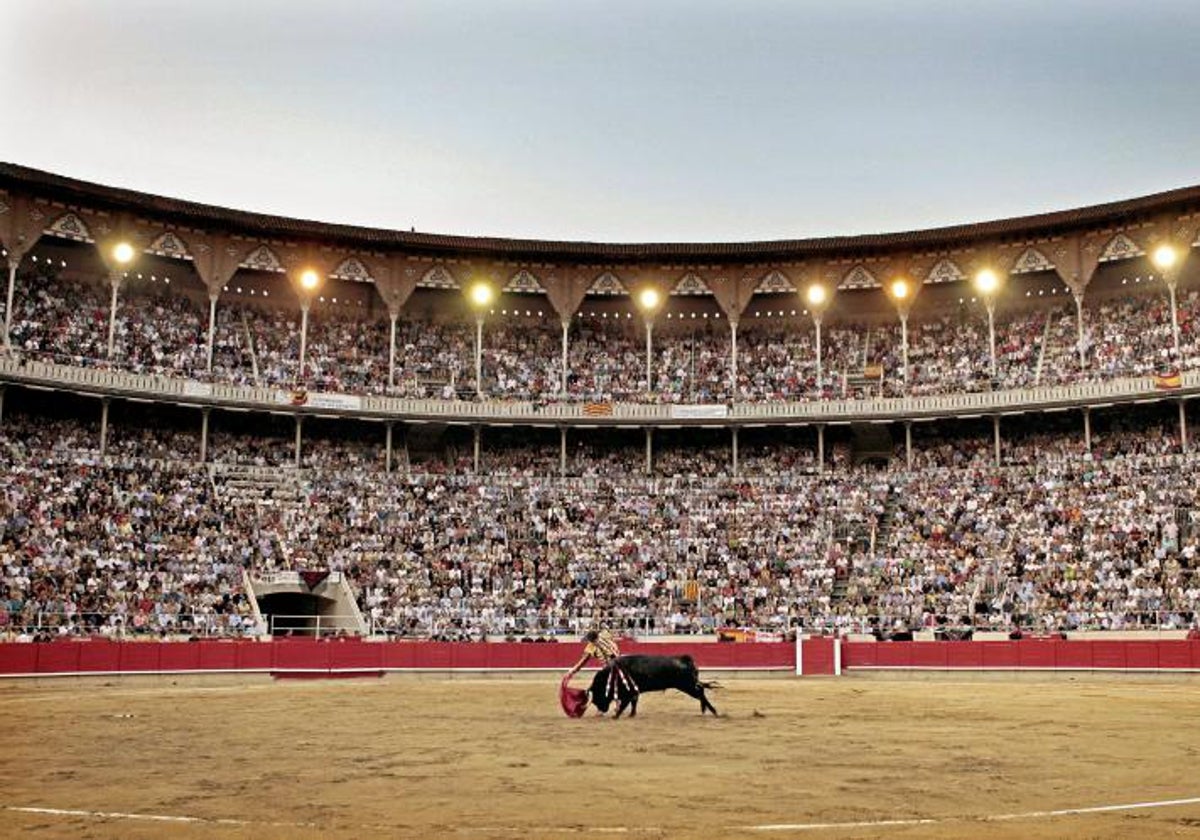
(103, 426)
(299, 423)
(566, 325)
(479, 355)
(392, 353)
(908, 444)
(8, 307)
(817, 322)
(733, 364)
(996, 436)
(649, 450)
(649, 364)
(204, 412)
(735, 450)
(1079, 326)
(991, 312)
(562, 451)
(478, 435)
(1087, 429)
(212, 331)
(112, 315)
(1174, 323)
(904, 345)
(387, 451)
(1183, 434)
(820, 449)
(303, 340)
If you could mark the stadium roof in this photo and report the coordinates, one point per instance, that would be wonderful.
(1117, 213)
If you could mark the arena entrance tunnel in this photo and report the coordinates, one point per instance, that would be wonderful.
(308, 604)
(296, 613)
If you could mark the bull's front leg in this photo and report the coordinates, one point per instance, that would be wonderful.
(621, 707)
(633, 706)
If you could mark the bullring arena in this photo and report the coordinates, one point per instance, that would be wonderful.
(302, 524)
(439, 758)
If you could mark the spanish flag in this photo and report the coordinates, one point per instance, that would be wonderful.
(1167, 380)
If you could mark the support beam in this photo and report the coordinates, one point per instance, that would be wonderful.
(1079, 327)
(8, 307)
(478, 436)
(303, 342)
(562, 451)
(1087, 429)
(562, 389)
(392, 357)
(103, 426)
(734, 431)
(1183, 432)
(387, 452)
(115, 281)
(649, 361)
(299, 439)
(204, 412)
(649, 450)
(820, 449)
(908, 444)
(1171, 281)
(733, 373)
(904, 346)
(212, 331)
(817, 323)
(478, 359)
(996, 436)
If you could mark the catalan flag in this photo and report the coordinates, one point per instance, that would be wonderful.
(594, 409)
(1167, 380)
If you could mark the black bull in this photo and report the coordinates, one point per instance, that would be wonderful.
(648, 673)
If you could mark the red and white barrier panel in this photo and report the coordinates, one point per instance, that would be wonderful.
(1178, 655)
(350, 656)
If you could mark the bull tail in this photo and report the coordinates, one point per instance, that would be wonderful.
(690, 664)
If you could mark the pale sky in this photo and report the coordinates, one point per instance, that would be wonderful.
(671, 120)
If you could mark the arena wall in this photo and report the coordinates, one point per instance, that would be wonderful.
(813, 657)
(305, 656)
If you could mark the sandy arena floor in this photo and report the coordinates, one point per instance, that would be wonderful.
(434, 758)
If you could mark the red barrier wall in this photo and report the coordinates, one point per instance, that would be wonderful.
(819, 656)
(310, 656)
(1081, 654)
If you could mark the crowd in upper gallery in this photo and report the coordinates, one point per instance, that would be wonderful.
(62, 317)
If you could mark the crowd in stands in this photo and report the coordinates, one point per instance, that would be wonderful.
(162, 329)
(147, 540)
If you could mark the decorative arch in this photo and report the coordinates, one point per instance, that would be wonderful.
(1120, 247)
(262, 258)
(169, 245)
(607, 284)
(945, 271)
(70, 226)
(775, 282)
(859, 277)
(352, 268)
(1031, 260)
(691, 284)
(438, 277)
(524, 282)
